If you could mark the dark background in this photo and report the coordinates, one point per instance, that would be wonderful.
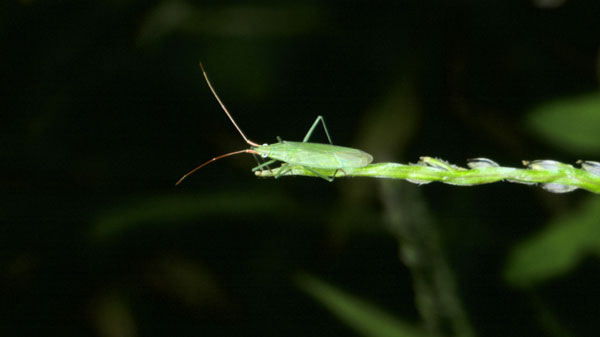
(103, 108)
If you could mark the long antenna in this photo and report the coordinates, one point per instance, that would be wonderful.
(225, 109)
(210, 161)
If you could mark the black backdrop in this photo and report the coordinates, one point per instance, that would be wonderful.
(104, 108)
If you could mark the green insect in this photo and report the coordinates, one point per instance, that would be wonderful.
(308, 155)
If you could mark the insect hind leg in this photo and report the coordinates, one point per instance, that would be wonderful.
(314, 126)
(320, 175)
(287, 167)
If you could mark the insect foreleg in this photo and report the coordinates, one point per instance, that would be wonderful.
(312, 128)
(256, 159)
(259, 163)
(272, 161)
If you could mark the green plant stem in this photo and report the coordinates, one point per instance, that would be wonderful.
(420, 249)
(557, 177)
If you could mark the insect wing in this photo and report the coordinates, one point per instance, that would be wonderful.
(352, 157)
(318, 155)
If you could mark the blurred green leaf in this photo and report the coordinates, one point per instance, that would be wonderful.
(361, 316)
(570, 123)
(558, 248)
(230, 20)
(187, 281)
(112, 315)
(183, 207)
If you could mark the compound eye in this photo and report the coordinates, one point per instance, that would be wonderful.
(264, 155)
(265, 144)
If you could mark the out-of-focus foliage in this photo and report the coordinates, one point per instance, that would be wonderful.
(354, 312)
(170, 209)
(572, 124)
(558, 248)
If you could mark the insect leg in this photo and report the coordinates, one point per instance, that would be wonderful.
(259, 164)
(285, 168)
(263, 165)
(320, 175)
(312, 128)
(256, 159)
